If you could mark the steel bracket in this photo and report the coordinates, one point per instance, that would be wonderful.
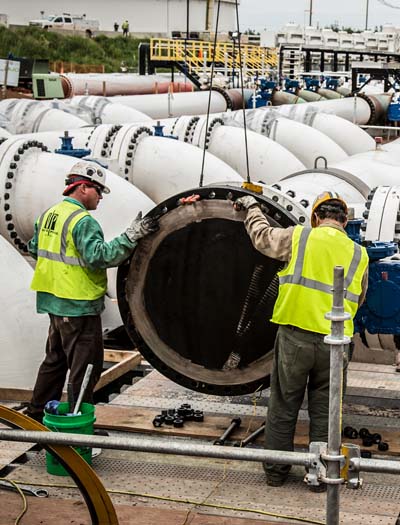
(317, 470)
(351, 476)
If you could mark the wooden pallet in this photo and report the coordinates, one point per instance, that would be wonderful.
(136, 419)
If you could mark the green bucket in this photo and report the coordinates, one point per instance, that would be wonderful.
(79, 424)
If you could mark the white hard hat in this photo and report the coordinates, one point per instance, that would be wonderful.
(86, 171)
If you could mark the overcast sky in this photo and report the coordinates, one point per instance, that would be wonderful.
(273, 14)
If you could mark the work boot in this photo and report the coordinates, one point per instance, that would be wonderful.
(276, 482)
(37, 416)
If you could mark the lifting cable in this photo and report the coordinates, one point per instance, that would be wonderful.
(242, 92)
(209, 94)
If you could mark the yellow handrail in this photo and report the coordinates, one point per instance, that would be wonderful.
(198, 55)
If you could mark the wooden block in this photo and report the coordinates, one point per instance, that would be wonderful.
(116, 356)
(119, 369)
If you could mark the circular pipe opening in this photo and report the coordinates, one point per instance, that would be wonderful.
(197, 290)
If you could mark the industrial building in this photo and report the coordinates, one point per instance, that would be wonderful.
(155, 17)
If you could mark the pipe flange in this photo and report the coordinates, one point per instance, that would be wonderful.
(10, 108)
(109, 140)
(138, 135)
(97, 109)
(139, 279)
(368, 100)
(11, 174)
(190, 128)
(89, 137)
(268, 122)
(229, 102)
(211, 127)
(174, 125)
(382, 215)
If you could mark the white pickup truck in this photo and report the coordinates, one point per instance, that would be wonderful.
(67, 21)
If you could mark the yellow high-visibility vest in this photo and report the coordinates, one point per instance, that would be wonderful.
(305, 285)
(60, 270)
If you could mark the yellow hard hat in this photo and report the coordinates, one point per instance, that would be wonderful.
(325, 197)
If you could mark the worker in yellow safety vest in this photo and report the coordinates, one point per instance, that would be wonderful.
(71, 281)
(125, 28)
(301, 358)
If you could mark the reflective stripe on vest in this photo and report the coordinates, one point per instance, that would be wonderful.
(305, 284)
(60, 269)
(62, 256)
(297, 278)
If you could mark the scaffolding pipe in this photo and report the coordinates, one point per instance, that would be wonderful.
(179, 448)
(337, 341)
(160, 446)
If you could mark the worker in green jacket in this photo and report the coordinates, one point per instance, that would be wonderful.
(301, 358)
(70, 280)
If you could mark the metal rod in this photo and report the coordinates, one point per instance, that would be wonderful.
(162, 446)
(336, 341)
(375, 465)
(366, 126)
(179, 448)
(84, 385)
(366, 15)
(311, 12)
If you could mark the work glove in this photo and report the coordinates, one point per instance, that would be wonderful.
(244, 203)
(141, 227)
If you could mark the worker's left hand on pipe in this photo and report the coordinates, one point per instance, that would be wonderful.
(141, 227)
(244, 203)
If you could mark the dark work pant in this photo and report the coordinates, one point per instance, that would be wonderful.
(72, 343)
(301, 361)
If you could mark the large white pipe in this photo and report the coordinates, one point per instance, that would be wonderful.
(22, 331)
(174, 167)
(33, 180)
(363, 109)
(4, 134)
(28, 116)
(100, 110)
(370, 171)
(305, 142)
(174, 105)
(268, 160)
(350, 137)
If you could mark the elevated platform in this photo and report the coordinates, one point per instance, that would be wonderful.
(155, 488)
